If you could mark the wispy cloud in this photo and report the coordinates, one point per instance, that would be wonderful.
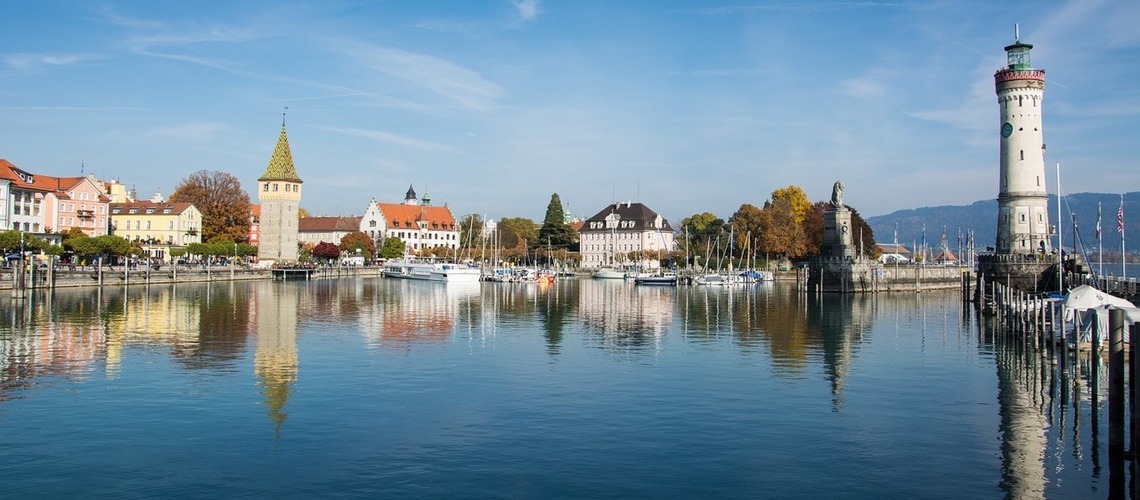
(29, 61)
(527, 9)
(197, 132)
(863, 87)
(390, 138)
(802, 7)
(451, 80)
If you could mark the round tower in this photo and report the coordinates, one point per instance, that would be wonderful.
(1023, 215)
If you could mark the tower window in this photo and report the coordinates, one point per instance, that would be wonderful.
(275, 186)
(265, 187)
(1022, 154)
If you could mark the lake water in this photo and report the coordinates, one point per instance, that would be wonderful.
(374, 388)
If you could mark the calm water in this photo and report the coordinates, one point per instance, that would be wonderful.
(585, 389)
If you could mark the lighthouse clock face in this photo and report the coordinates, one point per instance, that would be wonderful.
(1006, 129)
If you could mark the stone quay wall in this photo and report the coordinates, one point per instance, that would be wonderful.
(63, 277)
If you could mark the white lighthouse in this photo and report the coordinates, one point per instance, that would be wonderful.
(1023, 216)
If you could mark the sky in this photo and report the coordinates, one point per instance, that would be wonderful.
(492, 106)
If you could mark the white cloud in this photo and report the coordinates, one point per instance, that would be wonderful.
(527, 9)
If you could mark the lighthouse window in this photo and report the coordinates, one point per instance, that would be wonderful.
(1038, 181)
(1019, 100)
(1022, 154)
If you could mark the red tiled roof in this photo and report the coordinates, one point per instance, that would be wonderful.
(400, 215)
(40, 182)
(319, 224)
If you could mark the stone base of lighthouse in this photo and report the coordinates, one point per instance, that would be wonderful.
(1032, 272)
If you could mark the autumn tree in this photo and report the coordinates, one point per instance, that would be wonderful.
(470, 231)
(780, 233)
(357, 243)
(747, 224)
(222, 201)
(517, 232)
(555, 233)
(326, 251)
(798, 201)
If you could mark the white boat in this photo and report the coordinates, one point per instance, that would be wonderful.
(711, 280)
(608, 273)
(431, 271)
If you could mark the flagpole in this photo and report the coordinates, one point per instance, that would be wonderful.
(1100, 245)
(1060, 242)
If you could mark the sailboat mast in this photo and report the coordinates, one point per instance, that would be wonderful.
(1060, 242)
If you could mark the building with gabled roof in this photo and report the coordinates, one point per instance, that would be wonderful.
(157, 226)
(279, 195)
(625, 234)
(313, 230)
(417, 223)
(42, 204)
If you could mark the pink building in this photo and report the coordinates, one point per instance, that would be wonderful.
(43, 204)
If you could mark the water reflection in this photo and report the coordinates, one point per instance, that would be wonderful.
(274, 312)
(626, 315)
(415, 313)
(1046, 416)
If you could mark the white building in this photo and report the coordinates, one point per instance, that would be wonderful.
(419, 225)
(625, 234)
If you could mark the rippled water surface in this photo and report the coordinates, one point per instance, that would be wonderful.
(380, 388)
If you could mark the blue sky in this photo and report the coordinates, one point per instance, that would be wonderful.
(491, 106)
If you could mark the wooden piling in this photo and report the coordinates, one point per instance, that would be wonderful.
(1116, 383)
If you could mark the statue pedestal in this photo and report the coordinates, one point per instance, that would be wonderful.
(838, 268)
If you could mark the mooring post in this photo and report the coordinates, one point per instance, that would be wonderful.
(1116, 383)
(1134, 427)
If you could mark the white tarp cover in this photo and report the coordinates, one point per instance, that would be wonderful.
(1099, 316)
(1087, 297)
(1093, 306)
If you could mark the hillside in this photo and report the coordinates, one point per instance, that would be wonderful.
(981, 217)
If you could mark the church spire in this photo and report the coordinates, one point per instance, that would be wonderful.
(281, 163)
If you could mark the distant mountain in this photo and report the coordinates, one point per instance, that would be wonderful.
(981, 217)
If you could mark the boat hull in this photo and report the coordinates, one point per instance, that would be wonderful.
(431, 271)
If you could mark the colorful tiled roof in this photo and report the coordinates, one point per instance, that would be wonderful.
(281, 164)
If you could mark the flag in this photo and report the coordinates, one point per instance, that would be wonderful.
(1098, 221)
(1120, 216)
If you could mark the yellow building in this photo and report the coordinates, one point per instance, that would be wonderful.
(158, 227)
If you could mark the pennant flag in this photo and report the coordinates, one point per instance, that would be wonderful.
(1098, 221)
